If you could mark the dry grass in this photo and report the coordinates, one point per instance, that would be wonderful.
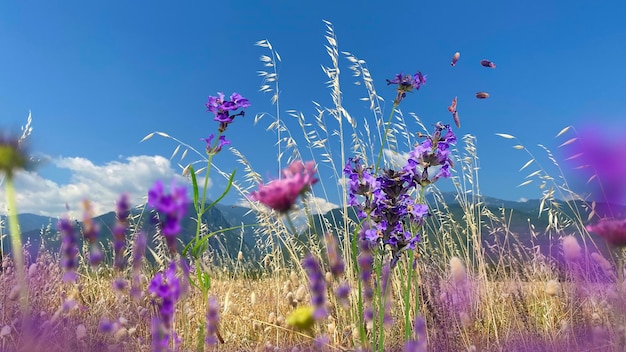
(514, 297)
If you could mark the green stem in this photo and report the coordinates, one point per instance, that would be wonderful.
(382, 147)
(16, 242)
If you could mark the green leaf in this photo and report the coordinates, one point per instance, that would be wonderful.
(230, 183)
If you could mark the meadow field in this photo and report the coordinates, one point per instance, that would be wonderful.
(398, 266)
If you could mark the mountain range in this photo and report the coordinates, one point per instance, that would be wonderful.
(227, 244)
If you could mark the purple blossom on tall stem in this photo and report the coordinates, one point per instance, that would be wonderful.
(387, 209)
(317, 286)
(214, 149)
(90, 233)
(119, 231)
(281, 194)
(418, 343)
(223, 108)
(69, 249)
(172, 207)
(406, 84)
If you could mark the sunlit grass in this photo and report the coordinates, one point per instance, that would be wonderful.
(478, 284)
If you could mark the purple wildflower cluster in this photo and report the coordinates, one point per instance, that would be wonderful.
(69, 249)
(167, 287)
(222, 110)
(388, 209)
(172, 208)
(406, 84)
(119, 231)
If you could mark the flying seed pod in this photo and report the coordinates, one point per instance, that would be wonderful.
(487, 63)
(455, 58)
(455, 115)
(482, 95)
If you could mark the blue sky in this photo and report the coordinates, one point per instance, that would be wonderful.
(99, 76)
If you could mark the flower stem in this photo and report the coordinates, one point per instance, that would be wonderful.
(16, 243)
(382, 147)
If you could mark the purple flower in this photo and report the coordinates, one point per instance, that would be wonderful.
(601, 156)
(282, 194)
(317, 286)
(222, 108)
(69, 249)
(406, 84)
(214, 149)
(418, 343)
(172, 206)
(212, 321)
(166, 286)
(611, 230)
(119, 231)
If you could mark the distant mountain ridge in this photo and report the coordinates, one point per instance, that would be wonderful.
(230, 242)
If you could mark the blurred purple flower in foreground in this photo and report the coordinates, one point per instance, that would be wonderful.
(172, 208)
(282, 194)
(601, 158)
(611, 230)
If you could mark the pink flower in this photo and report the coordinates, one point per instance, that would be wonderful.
(282, 194)
(611, 230)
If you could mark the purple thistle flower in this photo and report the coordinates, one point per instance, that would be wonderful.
(172, 207)
(611, 230)
(282, 194)
(317, 286)
(214, 149)
(69, 249)
(212, 321)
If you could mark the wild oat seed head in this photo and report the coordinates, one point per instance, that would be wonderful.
(457, 271)
(571, 249)
(6, 331)
(553, 288)
(81, 332)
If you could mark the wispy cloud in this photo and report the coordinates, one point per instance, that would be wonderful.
(101, 184)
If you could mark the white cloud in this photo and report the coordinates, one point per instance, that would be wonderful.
(523, 200)
(101, 184)
(320, 205)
